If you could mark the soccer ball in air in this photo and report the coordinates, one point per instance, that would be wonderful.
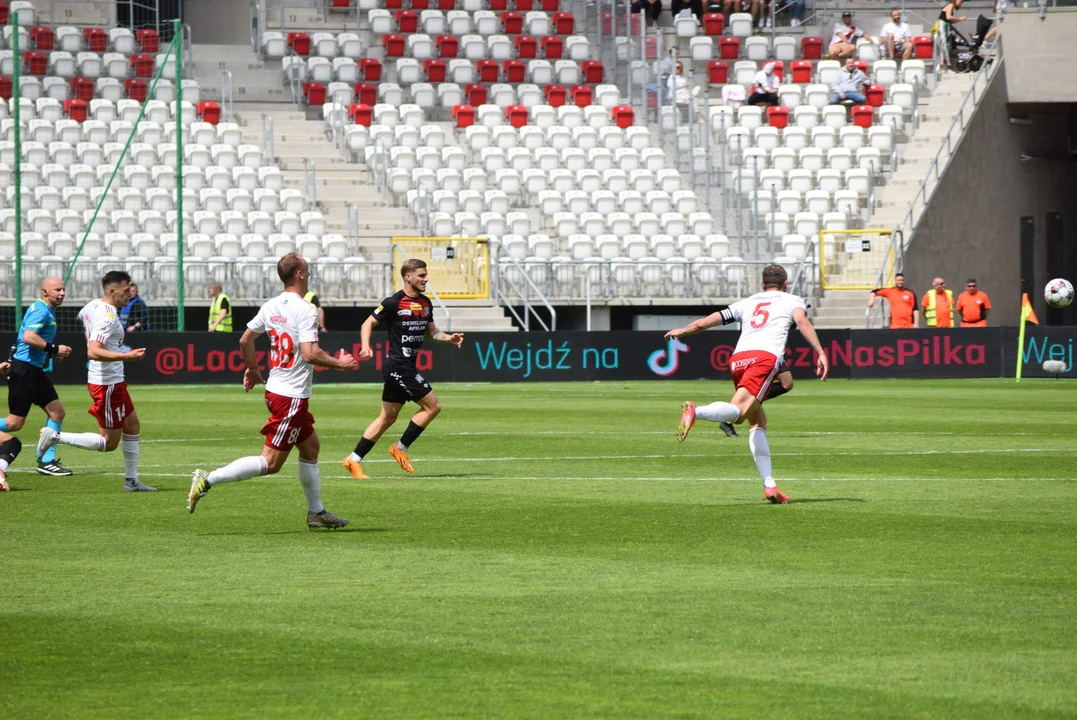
(1058, 293)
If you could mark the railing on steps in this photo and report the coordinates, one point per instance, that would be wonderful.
(228, 110)
(981, 81)
(508, 293)
(269, 143)
(310, 184)
(885, 276)
(353, 225)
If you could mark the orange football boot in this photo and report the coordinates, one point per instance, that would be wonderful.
(401, 457)
(355, 468)
(688, 420)
(776, 496)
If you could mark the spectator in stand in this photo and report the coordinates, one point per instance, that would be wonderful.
(843, 42)
(680, 92)
(974, 305)
(765, 87)
(947, 17)
(755, 7)
(650, 10)
(796, 9)
(696, 6)
(220, 309)
(938, 305)
(135, 316)
(897, 37)
(904, 312)
(849, 84)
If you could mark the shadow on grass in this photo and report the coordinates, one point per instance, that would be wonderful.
(827, 500)
(318, 531)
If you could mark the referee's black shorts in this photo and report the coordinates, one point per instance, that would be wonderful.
(28, 385)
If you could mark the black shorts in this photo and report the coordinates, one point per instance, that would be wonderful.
(28, 385)
(782, 366)
(404, 384)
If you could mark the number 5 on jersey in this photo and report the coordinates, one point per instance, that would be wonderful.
(760, 315)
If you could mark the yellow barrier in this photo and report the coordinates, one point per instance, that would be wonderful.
(851, 259)
(458, 268)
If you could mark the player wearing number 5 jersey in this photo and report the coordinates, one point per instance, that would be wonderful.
(112, 406)
(409, 318)
(292, 325)
(765, 321)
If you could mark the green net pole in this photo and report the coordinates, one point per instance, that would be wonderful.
(115, 170)
(177, 39)
(16, 97)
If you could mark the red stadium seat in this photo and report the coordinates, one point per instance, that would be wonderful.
(4, 13)
(552, 47)
(717, 72)
(802, 71)
(524, 5)
(526, 47)
(862, 66)
(463, 115)
(875, 95)
(135, 89)
(923, 47)
(623, 116)
(393, 44)
(498, 5)
(592, 71)
(148, 40)
(314, 93)
(550, 6)
(811, 48)
(75, 109)
(555, 95)
(5, 87)
(95, 39)
(361, 114)
(713, 24)
(209, 112)
(142, 66)
(370, 69)
(728, 48)
(299, 43)
(420, 4)
(393, 4)
(365, 93)
(512, 22)
(863, 115)
(778, 117)
(42, 37)
(448, 45)
(581, 95)
(407, 21)
(515, 70)
(475, 94)
(563, 23)
(36, 63)
(487, 71)
(435, 70)
(516, 115)
(779, 68)
(446, 4)
(83, 88)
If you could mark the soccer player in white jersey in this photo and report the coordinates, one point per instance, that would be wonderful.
(292, 325)
(112, 406)
(765, 321)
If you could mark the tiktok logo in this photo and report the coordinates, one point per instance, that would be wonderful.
(665, 362)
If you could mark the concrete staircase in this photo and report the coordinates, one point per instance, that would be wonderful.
(845, 308)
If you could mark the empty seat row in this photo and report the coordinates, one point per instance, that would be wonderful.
(108, 88)
(535, 23)
(746, 180)
(161, 176)
(807, 117)
(492, 159)
(87, 64)
(211, 200)
(513, 182)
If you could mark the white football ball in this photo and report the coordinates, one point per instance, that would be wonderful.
(1058, 293)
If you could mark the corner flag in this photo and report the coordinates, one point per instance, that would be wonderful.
(1027, 315)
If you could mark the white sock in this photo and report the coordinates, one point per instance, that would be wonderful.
(757, 441)
(718, 412)
(242, 469)
(3, 466)
(355, 457)
(129, 443)
(311, 478)
(86, 441)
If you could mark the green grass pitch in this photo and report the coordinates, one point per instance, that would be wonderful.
(559, 555)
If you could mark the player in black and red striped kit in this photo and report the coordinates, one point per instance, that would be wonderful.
(409, 317)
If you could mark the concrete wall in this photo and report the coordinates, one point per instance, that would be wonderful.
(218, 22)
(972, 225)
(1039, 55)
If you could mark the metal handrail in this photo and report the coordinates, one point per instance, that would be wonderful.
(433, 293)
(897, 247)
(310, 184)
(528, 308)
(227, 101)
(993, 61)
(353, 224)
(269, 143)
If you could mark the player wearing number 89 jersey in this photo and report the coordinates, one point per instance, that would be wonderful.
(765, 321)
(292, 325)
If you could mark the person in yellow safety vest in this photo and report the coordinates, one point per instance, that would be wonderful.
(312, 298)
(938, 305)
(220, 310)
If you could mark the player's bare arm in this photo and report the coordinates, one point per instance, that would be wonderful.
(251, 375)
(365, 352)
(37, 342)
(96, 351)
(436, 335)
(822, 366)
(316, 356)
(5, 368)
(712, 320)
